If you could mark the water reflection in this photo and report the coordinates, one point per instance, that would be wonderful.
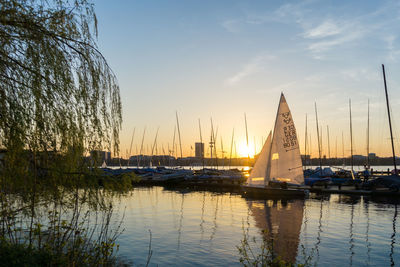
(180, 221)
(368, 243)
(215, 226)
(202, 217)
(351, 241)
(204, 229)
(282, 220)
(393, 236)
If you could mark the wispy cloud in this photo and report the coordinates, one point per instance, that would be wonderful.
(328, 44)
(252, 67)
(361, 74)
(231, 25)
(321, 31)
(327, 28)
(393, 51)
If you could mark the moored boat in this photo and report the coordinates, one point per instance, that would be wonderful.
(278, 171)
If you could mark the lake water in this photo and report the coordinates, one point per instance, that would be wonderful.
(204, 228)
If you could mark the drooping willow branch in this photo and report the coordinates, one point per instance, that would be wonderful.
(57, 90)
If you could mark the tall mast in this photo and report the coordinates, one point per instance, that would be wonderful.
(305, 146)
(247, 139)
(390, 121)
(368, 137)
(319, 145)
(211, 140)
(179, 133)
(202, 145)
(230, 157)
(351, 138)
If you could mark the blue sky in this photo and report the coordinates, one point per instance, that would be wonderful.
(222, 59)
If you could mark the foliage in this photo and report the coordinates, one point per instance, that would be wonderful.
(57, 91)
(75, 229)
(59, 99)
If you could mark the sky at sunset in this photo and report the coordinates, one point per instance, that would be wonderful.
(222, 59)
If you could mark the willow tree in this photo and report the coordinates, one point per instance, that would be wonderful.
(59, 99)
(57, 92)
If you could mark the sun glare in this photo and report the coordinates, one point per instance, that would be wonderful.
(244, 150)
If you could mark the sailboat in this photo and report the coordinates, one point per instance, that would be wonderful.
(104, 165)
(279, 164)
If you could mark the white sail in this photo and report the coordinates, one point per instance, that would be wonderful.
(258, 175)
(285, 164)
(104, 165)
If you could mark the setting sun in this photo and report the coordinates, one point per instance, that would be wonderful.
(245, 150)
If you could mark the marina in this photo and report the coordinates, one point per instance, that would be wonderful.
(199, 133)
(232, 180)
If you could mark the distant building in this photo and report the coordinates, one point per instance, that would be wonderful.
(359, 157)
(199, 150)
(372, 155)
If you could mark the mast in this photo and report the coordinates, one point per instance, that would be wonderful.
(310, 148)
(351, 138)
(202, 145)
(169, 155)
(322, 144)
(215, 147)
(163, 151)
(319, 145)
(343, 149)
(141, 147)
(154, 145)
(130, 148)
(390, 121)
(223, 153)
(368, 138)
(230, 157)
(179, 133)
(305, 146)
(247, 140)
(173, 151)
(211, 142)
(329, 144)
(336, 151)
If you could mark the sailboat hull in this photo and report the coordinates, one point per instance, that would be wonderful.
(271, 192)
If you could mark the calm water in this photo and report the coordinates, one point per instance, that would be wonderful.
(204, 229)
